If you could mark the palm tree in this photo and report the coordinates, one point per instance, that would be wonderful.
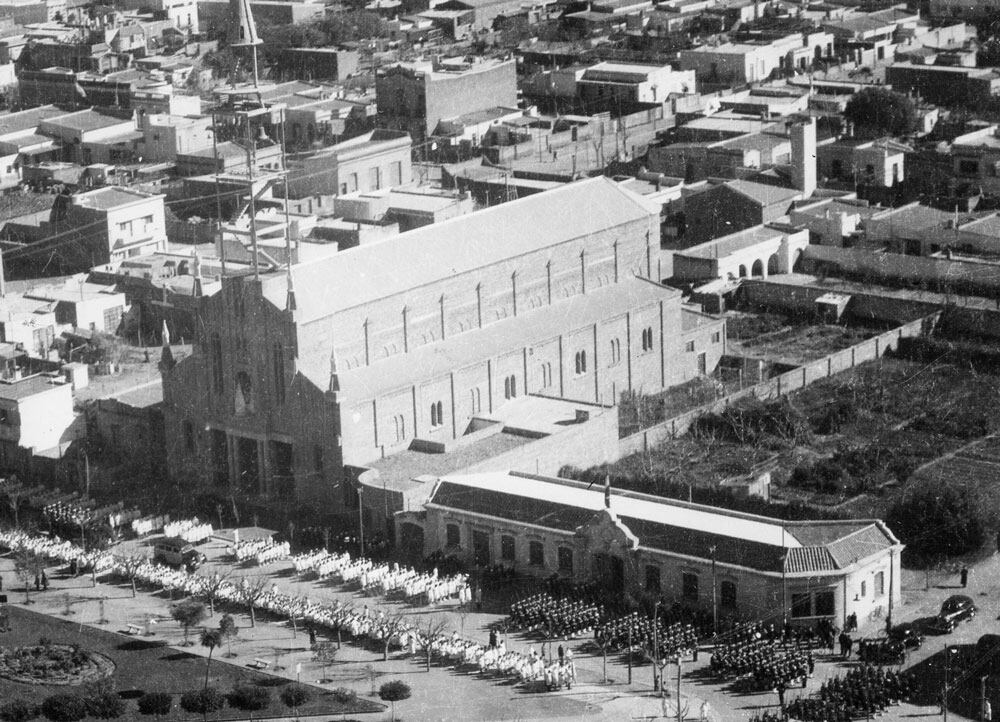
(210, 638)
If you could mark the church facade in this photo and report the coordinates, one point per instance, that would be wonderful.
(342, 361)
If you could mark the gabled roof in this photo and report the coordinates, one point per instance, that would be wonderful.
(370, 272)
(691, 530)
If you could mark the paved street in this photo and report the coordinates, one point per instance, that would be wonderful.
(443, 693)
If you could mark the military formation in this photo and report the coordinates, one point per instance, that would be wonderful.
(561, 617)
(862, 692)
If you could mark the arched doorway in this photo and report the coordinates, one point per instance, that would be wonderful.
(743, 271)
(772, 265)
(757, 270)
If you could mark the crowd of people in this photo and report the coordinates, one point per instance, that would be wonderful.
(638, 630)
(260, 551)
(863, 691)
(761, 660)
(148, 524)
(555, 616)
(57, 550)
(192, 531)
(383, 578)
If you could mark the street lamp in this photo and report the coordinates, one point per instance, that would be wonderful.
(948, 651)
(656, 647)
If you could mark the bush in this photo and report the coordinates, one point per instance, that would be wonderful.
(17, 710)
(248, 698)
(157, 703)
(204, 700)
(106, 705)
(394, 691)
(343, 695)
(295, 695)
(64, 707)
(936, 521)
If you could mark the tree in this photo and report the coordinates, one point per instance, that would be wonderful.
(294, 696)
(210, 638)
(989, 54)
(27, 566)
(130, 567)
(434, 628)
(325, 653)
(392, 692)
(250, 590)
(935, 521)
(211, 586)
(391, 627)
(228, 630)
(188, 614)
(877, 111)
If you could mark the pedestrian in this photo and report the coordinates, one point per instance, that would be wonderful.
(850, 645)
(987, 711)
(45, 581)
(781, 696)
(562, 654)
(964, 577)
(493, 639)
(706, 712)
(312, 638)
(845, 644)
(479, 598)
(38, 584)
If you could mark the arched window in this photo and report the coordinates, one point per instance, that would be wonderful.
(437, 413)
(399, 425)
(476, 399)
(510, 387)
(434, 418)
(581, 362)
(506, 388)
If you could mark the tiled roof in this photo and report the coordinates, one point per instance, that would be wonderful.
(675, 527)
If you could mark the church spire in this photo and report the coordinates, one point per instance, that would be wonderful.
(167, 361)
(290, 304)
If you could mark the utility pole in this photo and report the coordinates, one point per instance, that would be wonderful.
(656, 645)
(630, 654)
(680, 711)
(361, 523)
(715, 606)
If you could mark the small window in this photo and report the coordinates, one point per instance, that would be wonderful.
(647, 339)
(727, 595)
(565, 560)
(507, 548)
(689, 586)
(453, 535)
(801, 606)
(653, 579)
(536, 554)
(689, 346)
(879, 584)
(864, 588)
(437, 414)
(510, 387)
(716, 337)
(580, 363)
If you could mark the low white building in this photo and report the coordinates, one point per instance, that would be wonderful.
(750, 566)
(36, 414)
(760, 252)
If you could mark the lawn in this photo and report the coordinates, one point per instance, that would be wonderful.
(148, 667)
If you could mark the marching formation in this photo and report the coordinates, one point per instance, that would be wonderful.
(760, 662)
(638, 630)
(260, 551)
(190, 530)
(557, 617)
(862, 692)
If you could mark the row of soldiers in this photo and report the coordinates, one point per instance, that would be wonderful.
(863, 691)
(555, 616)
(643, 631)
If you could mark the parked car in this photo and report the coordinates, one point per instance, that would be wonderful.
(956, 608)
(176, 552)
(881, 650)
(908, 634)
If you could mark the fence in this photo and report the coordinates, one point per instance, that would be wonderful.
(785, 383)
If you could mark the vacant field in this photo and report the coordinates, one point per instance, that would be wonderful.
(860, 436)
(778, 338)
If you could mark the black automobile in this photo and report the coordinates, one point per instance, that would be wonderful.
(881, 650)
(908, 634)
(956, 608)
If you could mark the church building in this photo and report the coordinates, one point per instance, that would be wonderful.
(297, 373)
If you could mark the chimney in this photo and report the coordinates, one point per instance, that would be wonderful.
(804, 156)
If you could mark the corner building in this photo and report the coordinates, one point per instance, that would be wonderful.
(345, 360)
